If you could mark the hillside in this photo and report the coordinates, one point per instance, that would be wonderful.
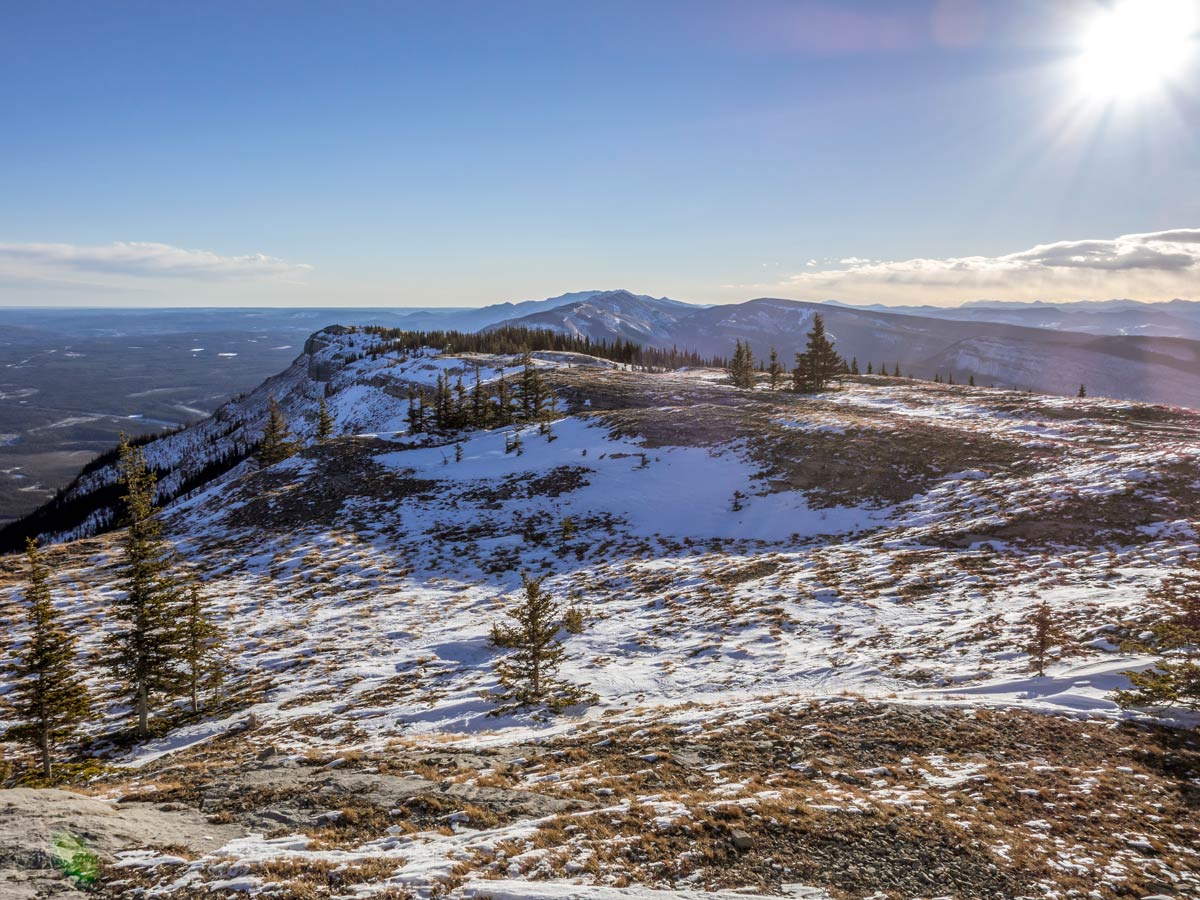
(1175, 318)
(1136, 367)
(806, 621)
(152, 370)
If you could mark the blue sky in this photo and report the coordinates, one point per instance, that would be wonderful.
(463, 153)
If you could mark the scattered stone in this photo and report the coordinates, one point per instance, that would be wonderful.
(804, 890)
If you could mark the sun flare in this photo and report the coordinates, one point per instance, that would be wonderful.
(1136, 46)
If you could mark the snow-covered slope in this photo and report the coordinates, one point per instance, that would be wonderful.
(864, 500)
(737, 555)
(611, 315)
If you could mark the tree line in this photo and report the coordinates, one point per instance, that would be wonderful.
(510, 340)
(454, 407)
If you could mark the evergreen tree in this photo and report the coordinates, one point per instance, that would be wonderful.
(870, 368)
(532, 391)
(567, 532)
(854, 366)
(1082, 392)
(528, 675)
(277, 442)
(442, 406)
(971, 380)
(143, 650)
(48, 697)
(819, 363)
(741, 367)
(461, 413)
(324, 422)
(200, 650)
(416, 412)
(1046, 634)
(479, 402)
(420, 414)
(503, 403)
(1174, 680)
(775, 370)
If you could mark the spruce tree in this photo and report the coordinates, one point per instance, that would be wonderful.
(461, 413)
(1082, 391)
(442, 404)
(1046, 633)
(1174, 679)
(503, 402)
(971, 380)
(774, 370)
(324, 422)
(415, 415)
(741, 367)
(144, 648)
(479, 403)
(819, 363)
(870, 368)
(200, 647)
(854, 366)
(528, 674)
(277, 442)
(47, 697)
(531, 390)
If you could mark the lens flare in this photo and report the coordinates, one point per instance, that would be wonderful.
(1137, 46)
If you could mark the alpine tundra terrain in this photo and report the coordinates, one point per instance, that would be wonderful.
(857, 643)
(72, 380)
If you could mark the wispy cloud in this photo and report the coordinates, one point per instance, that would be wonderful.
(58, 263)
(1158, 265)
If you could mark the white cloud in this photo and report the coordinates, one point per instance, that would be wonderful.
(132, 261)
(1155, 266)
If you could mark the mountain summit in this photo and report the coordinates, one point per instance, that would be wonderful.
(799, 626)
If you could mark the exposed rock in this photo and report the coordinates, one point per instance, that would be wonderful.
(30, 820)
(741, 840)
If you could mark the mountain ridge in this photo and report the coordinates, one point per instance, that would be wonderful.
(1136, 367)
(805, 620)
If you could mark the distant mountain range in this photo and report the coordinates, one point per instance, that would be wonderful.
(71, 380)
(960, 342)
(1176, 318)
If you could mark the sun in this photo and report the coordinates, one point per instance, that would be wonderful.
(1134, 47)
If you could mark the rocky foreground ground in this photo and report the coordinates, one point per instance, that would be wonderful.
(854, 799)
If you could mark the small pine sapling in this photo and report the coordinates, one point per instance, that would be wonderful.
(529, 673)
